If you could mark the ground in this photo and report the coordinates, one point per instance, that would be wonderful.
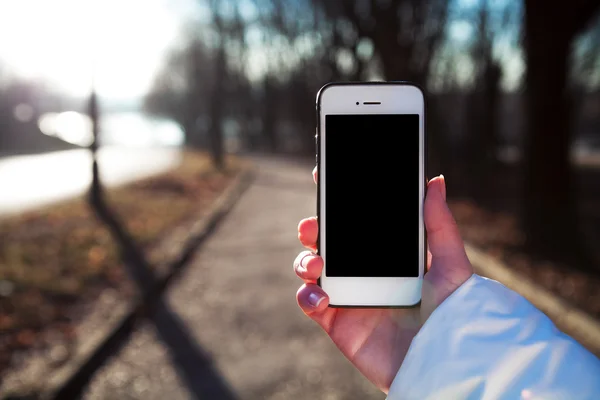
(240, 333)
(492, 225)
(230, 328)
(57, 260)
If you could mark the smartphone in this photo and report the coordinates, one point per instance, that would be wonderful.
(371, 188)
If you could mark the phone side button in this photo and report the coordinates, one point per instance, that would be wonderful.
(316, 147)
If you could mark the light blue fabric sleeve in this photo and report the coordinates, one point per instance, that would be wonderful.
(487, 342)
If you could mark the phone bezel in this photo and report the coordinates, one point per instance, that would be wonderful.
(394, 98)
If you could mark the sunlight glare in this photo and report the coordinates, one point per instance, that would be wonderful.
(46, 40)
(58, 40)
(70, 126)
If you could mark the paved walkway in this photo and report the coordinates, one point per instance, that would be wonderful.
(231, 328)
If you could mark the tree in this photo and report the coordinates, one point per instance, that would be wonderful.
(203, 84)
(281, 24)
(218, 93)
(181, 90)
(549, 211)
(405, 34)
(482, 106)
(585, 79)
(191, 90)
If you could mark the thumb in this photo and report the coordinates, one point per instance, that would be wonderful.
(443, 236)
(450, 266)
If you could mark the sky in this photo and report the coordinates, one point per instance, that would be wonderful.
(52, 40)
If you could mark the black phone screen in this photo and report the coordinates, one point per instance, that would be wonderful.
(372, 195)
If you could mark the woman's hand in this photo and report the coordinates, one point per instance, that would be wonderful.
(376, 340)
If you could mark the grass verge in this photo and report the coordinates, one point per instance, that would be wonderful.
(498, 234)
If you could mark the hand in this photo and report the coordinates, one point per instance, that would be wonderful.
(376, 340)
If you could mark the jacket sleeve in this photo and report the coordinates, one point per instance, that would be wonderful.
(487, 342)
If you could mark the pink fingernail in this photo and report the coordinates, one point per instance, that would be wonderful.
(314, 299)
(443, 186)
(304, 261)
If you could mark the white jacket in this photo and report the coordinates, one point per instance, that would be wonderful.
(487, 342)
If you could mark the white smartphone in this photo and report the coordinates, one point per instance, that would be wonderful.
(371, 189)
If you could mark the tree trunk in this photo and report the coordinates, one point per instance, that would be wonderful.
(269, 111)
(481, 140)
(215, 132)
(549, 214)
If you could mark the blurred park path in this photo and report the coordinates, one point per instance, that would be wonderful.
(30, 181)
(234, 316)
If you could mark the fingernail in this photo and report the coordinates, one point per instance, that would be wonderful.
(443, 186)
(314, 299)
(304, 261)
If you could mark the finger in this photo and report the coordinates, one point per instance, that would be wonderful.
(311, 298)
(308, 266)
(315, 174)
(443, 236)
(314, 302)
(308, 231)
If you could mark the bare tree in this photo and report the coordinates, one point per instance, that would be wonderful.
(182, 90)
(218, 94)
(284, 97)
(404, 33)
(482, 107)
(584, 79)
(203, 85)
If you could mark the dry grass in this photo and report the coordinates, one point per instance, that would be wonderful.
(60, 256)
(498, 234)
